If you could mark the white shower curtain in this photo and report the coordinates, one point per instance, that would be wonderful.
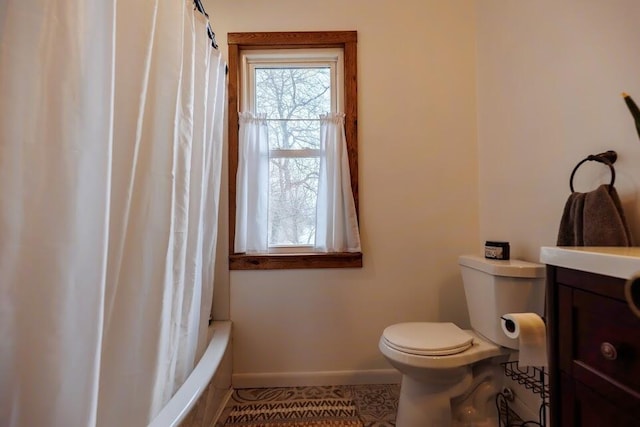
(110, 151)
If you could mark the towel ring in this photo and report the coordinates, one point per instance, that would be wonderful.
(608, 158)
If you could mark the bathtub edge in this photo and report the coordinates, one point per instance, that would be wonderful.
(176, 410)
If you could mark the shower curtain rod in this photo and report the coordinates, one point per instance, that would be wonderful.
(198, 5)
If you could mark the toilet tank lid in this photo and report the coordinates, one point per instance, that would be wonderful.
(507, 268)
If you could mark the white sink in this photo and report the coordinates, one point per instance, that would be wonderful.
(622, 262)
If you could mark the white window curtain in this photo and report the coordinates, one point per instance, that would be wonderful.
(336, 220)
(252, 185)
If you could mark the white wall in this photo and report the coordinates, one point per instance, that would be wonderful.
(418, 188)
(550, 74)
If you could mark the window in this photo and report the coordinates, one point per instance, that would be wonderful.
(287, 80)
(291, 88)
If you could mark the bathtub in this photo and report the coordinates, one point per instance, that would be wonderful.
(199, 401)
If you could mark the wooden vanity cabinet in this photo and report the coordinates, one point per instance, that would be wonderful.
(594, 351)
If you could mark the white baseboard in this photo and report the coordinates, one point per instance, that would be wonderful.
(297, 379)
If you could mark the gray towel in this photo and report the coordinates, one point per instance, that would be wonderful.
(594, 219)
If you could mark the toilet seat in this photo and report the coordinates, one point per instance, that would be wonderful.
(427, 338)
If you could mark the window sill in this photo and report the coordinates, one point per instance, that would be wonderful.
(295, 261)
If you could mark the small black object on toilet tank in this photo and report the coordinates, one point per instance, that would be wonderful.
(496, 250)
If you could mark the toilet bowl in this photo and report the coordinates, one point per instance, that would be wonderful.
(450, 376)
(436, 361)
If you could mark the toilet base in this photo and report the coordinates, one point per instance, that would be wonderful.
(456, 399)
(429, 404)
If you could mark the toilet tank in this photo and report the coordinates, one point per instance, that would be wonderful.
(497, 287)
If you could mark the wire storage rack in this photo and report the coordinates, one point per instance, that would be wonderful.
(532, 378)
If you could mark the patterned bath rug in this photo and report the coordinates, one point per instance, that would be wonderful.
(329, 412)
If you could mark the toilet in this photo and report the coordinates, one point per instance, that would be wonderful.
(450, 376)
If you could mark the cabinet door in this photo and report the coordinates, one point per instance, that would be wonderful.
(600, 324)
(591, 410)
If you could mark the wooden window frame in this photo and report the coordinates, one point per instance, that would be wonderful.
(237, 42)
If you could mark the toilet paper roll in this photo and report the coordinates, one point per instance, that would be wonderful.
(530, 330)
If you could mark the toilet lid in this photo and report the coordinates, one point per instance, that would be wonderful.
(427, 338)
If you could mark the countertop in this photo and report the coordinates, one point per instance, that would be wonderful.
(622, 262)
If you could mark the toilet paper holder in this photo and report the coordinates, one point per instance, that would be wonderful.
(532, 378)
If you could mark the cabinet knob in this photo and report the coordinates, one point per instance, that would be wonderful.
(608, 351)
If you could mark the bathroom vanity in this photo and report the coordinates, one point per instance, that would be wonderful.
(593, 336)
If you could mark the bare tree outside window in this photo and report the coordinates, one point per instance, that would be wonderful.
(292, 99)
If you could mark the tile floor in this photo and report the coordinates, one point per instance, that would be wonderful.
(376, 404)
